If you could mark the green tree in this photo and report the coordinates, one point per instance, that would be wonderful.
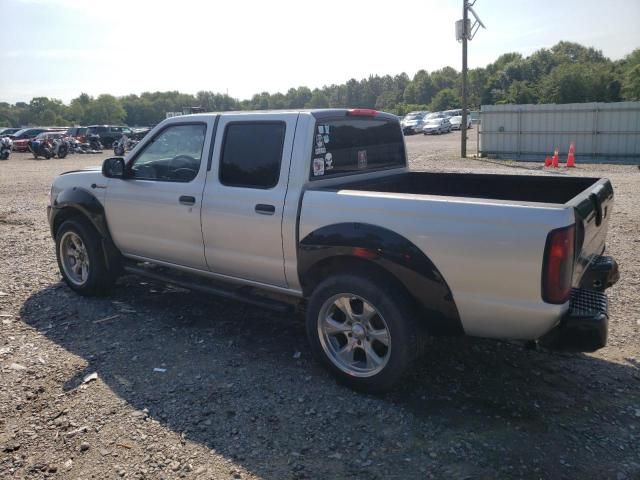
(318, 100)
(521, 92)
(105, 109)
(445, 100)
(631, 84)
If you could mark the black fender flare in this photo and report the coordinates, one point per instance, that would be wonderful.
(76, 200)
(394, 254)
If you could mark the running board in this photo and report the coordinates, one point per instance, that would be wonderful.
(241, 294)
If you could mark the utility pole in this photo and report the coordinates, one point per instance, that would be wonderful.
(465, 32)
(465, 36)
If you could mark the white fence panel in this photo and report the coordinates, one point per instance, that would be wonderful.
(601, 132)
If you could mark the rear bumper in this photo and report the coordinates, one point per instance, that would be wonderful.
(602, 273)
(584, 327)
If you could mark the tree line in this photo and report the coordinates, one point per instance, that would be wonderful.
(565, 73)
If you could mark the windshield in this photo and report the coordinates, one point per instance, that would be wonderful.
(21, 132)
(355, 145)
(434, 115)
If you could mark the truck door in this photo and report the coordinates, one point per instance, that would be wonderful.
(155, 212)
(244, 196)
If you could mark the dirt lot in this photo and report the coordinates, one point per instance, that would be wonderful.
(235, 399)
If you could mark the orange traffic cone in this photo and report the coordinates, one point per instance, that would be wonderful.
(571, 158)
(547, 161)
(554, 160)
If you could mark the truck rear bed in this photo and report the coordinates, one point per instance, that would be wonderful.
(523, 188)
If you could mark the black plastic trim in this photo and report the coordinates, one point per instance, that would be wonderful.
(585, 326)
(213, 142)
(395, 255)
(601, 274)
(78, 200)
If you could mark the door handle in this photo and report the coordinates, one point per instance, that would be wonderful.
(264, 209)
(187, 200)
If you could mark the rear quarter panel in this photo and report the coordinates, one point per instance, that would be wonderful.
(489, 252)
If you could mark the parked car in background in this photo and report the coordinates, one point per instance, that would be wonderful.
(108, 133)
(413, 122)
(5, 132)
(436, 123)
(452, 113)
(21, 138)
(79, 133)
(456, 122)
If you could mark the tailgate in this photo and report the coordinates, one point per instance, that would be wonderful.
(593, 208)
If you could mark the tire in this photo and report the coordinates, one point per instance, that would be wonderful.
(98, 279)
(62, 152)
(329, 329)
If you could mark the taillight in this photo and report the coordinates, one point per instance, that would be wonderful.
(557, 270)
(362, 112)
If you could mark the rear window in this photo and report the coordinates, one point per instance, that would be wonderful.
(354, 145)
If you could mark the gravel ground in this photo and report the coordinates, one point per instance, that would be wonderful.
(156, 382)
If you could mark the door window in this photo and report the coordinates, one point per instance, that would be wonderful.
(251, 154)
(172, 156)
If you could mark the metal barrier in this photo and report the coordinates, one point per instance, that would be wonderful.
(601, 132)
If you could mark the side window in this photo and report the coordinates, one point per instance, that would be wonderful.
(251, 154)
(173, 156)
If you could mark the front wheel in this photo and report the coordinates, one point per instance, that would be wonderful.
(363, 332)
(80, 258)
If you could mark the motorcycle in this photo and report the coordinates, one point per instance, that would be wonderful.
(60, 148)
(41, 148)
(125, 144)
(5, 148)
(94, 142)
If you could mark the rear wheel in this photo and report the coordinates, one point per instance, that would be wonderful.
(364, 333)
(80, 258)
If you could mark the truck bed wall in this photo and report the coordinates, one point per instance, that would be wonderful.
(525, 188)
(490, 254)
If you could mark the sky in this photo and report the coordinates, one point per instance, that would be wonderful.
(60, 48)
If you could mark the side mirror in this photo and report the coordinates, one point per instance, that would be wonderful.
(113, 167)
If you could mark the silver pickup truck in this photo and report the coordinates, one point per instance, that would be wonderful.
(317, 209)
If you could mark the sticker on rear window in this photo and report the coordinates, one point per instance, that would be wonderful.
(362, 159)
(328, 161)
(321, 151)
(319, 141)
(318, 167)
